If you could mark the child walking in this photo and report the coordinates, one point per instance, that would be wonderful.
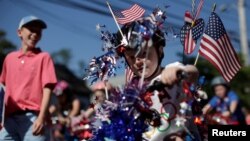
(29, 77)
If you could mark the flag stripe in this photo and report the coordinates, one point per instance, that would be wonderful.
(221, 52)
(129, 15)
(128, 75)
(232, 52)
(199, 9)
(216, 47)
(212, 60)
(219, 60)
(130, 18)
(189, 43)
(135, 8)
(214, 51)
(223, 44)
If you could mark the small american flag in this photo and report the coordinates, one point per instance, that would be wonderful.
(129, 15)
(128, 75)
(217, 48)
(92, 62)
(199, 9)
(192, 35)
(190, 44)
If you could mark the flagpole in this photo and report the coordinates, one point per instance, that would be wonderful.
(106, 93)
(144, 68)
(214, 6)
(106, 89)
(197, 57)
(115, 19)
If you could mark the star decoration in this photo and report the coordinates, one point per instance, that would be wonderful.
(180, 121)
(98, 27)
(159, 13)
(184, 105)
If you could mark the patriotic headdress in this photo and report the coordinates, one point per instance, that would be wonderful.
(136, 33)
(143, 31)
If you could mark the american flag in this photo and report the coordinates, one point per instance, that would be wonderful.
(128, 75)
(217, 48)
(129, 15)
(189, 43)
(192, 33)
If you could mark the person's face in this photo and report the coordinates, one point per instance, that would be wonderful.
(136, 62)
(100, 96)
(220, 91)
(30, 35)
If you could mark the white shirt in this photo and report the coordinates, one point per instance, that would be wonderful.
(169, 109)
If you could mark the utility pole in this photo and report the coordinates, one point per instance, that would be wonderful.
(243, 31)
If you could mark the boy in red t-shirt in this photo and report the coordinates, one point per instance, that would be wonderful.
(29, 77)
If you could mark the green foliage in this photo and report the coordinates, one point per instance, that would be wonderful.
(5, 47)
(81, 70)
(240, 83)
(62, 56)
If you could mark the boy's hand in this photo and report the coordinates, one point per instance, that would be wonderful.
(62, 120)
(169, 75)
(38, 126)
(192, 73)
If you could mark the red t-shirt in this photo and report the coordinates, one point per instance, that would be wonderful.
(25, 76)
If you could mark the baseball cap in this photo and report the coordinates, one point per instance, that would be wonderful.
(29, 19)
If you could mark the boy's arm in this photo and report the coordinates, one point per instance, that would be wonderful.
(210, 105)
(89, 112)
(206, 109)
(233, 106)
(192, 73)
(234, 102)
(76, 108)
(231, 109)
(169, 74)
(39, 122)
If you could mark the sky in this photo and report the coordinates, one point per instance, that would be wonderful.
(72, 23)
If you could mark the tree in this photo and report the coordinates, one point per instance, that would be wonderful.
(62, 56)
(240, 83)
(5, 47)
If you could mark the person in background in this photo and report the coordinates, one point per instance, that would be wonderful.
(65, 106)
(225, 102)
(1, 105)
(29, 78)
(81, 123)
(99, 90)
